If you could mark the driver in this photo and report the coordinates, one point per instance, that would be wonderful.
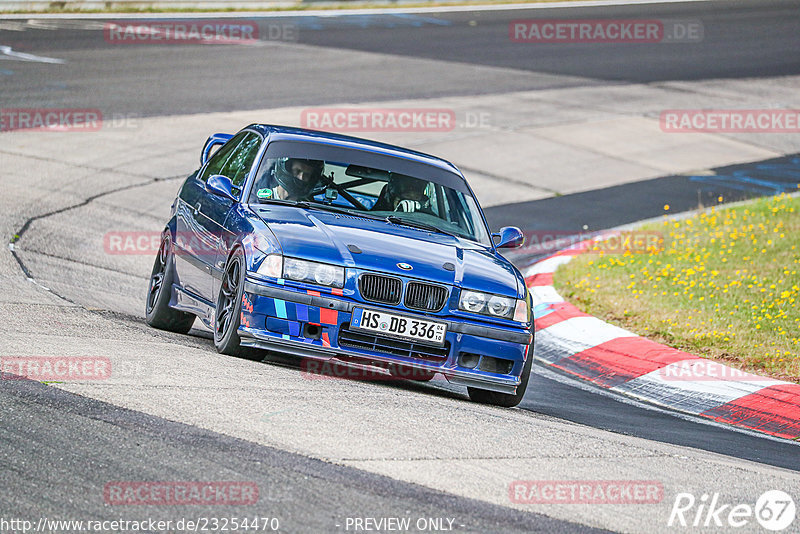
(296, 179)
(405, 194)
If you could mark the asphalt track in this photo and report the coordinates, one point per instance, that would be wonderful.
(97, 442)
(741, 39)
(148, 82)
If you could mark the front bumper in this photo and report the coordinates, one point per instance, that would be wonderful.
(309, 324)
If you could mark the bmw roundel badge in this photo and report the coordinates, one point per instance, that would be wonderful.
(405, 266)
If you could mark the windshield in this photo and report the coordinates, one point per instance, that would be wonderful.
(341, 181)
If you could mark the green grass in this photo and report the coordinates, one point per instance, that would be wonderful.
(724, 285)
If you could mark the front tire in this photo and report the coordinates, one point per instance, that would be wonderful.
(505, 400)
(158, 313)
(229, 310)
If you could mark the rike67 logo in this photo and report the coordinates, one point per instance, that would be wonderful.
(774, 510)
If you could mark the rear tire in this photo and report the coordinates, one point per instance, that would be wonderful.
(158, 313)
(505, 400)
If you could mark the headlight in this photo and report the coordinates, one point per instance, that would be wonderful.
(296, 270)
(313, 273)
(326, 275)
(499, 306)
(493, 305)
(472, 301)
(271, 266)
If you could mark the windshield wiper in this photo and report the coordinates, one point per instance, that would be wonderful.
(394, 219)
(301, 203)
(338, 209)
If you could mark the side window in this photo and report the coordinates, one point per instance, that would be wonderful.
(241, 159)
(218, 160)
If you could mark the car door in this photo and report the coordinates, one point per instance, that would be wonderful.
(217, 210)
(195, 246)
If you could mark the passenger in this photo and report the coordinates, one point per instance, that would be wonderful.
(404, 194)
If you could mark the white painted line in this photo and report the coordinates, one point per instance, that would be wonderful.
(13, 26)
(588, 330)
(574, 335)
(545, 295)
(57, 24)
(9, 53)
(341, 12)
(549, 347)
(547, 266)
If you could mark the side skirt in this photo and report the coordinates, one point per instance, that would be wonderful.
(188, 302)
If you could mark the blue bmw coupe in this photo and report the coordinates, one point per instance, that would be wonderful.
(325, 246)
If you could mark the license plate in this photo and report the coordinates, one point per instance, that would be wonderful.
(398, 326)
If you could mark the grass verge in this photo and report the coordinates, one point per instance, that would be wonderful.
(724, 285)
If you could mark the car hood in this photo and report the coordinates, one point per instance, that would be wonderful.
(337, 238)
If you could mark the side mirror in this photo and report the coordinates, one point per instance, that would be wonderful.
(509, 237)
(221, 186)
(215, 140)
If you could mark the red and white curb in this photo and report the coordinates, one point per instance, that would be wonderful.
(619, 360)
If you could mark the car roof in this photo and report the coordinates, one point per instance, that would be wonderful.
(289, 133)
